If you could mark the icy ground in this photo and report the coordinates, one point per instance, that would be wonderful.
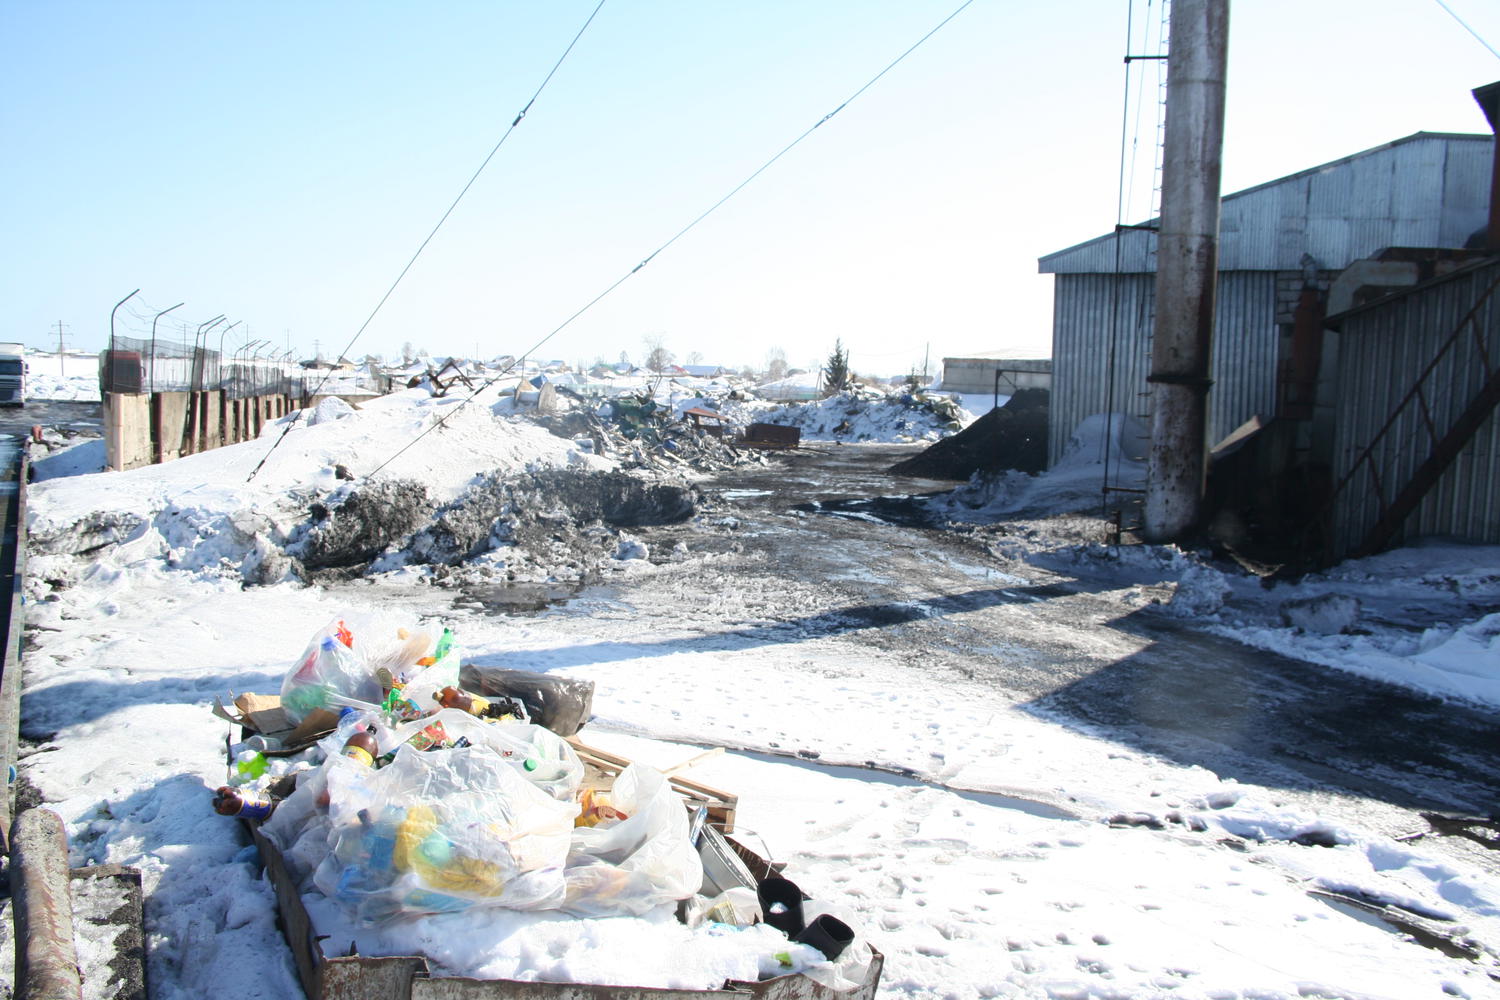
(144, 606)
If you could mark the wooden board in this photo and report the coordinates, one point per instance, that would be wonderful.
(601, 767)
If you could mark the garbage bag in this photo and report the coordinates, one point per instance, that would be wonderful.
(538, 755)
(638, 863)
(327, 672)
(441, 831)
(562, 704)
(343, 664)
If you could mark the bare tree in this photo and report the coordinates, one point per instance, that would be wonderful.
(658, 358)
(776, 366)
(695, 358)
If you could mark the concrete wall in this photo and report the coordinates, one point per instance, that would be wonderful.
(979, 375)
(127, 430)
(146, 428)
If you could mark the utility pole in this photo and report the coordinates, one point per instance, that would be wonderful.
(61, 361)
(1187, 266)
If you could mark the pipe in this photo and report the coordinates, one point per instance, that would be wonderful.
(46, 958)
(153, 343)
(112, 317)
(1187, 267)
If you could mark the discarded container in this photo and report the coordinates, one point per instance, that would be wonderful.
(773, 436)
(242, 802)
(408, 977)
(361, 746)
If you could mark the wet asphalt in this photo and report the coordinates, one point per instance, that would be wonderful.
(1065, 649)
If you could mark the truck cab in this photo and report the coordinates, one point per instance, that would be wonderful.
(12, 375)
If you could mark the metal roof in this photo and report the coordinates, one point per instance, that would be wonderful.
(1427, 189)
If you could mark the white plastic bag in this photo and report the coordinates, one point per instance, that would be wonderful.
(539, 755)
(441, 831)
(639, 863)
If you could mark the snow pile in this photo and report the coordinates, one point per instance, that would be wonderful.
(1438, 636)
(855, 416)
(410, 457)
(1074, 483)
(71, 377)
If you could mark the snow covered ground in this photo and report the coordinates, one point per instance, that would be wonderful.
(140, 613)
(62, 376)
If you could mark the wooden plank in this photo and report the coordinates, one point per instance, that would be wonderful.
(721, 804)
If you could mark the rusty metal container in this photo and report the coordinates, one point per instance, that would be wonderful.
(771, 436)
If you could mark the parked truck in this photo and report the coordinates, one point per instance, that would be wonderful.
(12, 374)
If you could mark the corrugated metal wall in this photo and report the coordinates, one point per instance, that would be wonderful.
(1429, 190)
(1085, 307)
(1381, 352)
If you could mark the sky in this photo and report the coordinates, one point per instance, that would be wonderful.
(280, 164)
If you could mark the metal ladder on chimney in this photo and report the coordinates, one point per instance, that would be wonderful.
(1445, 443)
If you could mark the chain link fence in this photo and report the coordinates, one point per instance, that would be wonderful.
(139, 365)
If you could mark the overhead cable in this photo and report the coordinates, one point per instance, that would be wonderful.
(1469, 29)
(442, 421)
(389, 291)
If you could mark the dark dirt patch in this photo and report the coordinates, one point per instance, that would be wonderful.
(552, 513)
(1011, 437)
(360, 527)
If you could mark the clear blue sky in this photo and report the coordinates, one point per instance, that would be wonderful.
(279, 162)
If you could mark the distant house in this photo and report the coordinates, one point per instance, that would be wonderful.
(705, 371)
(1276, 240)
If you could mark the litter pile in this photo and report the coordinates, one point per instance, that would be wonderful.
(419, 808)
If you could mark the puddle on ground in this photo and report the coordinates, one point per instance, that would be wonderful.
(517, 598)
(908, 511)
(743, 494)
(1028, 806)
(1449, 947)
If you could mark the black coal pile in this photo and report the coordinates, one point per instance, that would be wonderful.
(1013, 436)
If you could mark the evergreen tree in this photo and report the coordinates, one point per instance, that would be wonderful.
(836, 371)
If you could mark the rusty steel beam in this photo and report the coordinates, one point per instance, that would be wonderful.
(1443, 453)
(46, 958)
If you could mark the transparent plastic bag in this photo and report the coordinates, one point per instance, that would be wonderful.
(441, 831)
(538, 755)
(634, 865)
(328, 672)
(344, 664)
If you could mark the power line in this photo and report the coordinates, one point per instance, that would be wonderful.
(389, 291)
(441, 422)
(1468, 29)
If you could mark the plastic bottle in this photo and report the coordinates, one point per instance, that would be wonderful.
(361, 746)
(483, 708)
(452, 697)
(246, 803)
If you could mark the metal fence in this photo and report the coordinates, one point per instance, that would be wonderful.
(138, 365)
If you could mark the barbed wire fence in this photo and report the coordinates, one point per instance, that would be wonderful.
(141, 365)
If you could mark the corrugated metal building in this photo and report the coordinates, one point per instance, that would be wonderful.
(1426, 190)
(1433, 347)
